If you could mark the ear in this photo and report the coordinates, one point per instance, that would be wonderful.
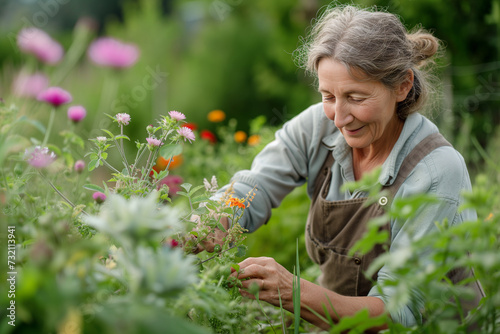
(405, 87)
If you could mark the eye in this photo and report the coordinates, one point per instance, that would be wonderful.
(356, 99)
(328, 98)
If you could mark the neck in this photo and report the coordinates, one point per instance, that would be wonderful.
(367, 158)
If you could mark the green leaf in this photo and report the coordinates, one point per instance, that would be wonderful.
(93, 164)
(93, 187)
(242, 250)
(168, 151)
(221, 227)
(122, 137)
(195, 189)
(104, 155)
(109, 133)
(186, 186)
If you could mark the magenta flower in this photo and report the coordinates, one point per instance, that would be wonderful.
(76, 113)
(173, 183)
(186, 133)
(79, 166)
(178, 116)
(122, 119)
(40, 44)
(99, 197)
(55, 96)
(29, 85)
(110, 52)
(40, 157)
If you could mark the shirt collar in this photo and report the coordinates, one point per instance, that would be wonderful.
(342, 152)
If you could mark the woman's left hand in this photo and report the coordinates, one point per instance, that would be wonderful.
(270, 276)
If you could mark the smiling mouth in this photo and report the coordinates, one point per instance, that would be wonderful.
(354, 130)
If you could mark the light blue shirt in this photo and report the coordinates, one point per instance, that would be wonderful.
(299, 151)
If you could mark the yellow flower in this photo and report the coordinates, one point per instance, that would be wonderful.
(216, 116)
(490, 216)
(253, 140)
(240, 137)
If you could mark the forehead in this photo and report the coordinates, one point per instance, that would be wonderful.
(333, 75)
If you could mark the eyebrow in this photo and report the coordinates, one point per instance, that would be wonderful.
(349, 92)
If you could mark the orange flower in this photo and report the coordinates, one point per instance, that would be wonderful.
(253, 140)
(162, 163)
(240, 137)
(216, 116)
(235, 202)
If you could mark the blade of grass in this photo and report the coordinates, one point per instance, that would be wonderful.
(264, 312)
(296, 290)
(283, 327)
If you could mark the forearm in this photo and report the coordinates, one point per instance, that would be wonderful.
(316, 298)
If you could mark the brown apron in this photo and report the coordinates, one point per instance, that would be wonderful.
(333, 227)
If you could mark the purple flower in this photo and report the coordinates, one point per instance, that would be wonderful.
(110, 52)
(76, 113)
(29, 85)
(186, 133)
(99, 197)
(55, 96)
(122, 119)
(37, 42)
(178, 116)
(40, 157)
(153, 142)
(79, 166)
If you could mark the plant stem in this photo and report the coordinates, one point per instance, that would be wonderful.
(49, 126)
(212, 257)
(109, 166)
(58, 192)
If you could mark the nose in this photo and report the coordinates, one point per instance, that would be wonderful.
(338, 113)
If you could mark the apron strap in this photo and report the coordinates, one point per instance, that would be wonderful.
(426, 146)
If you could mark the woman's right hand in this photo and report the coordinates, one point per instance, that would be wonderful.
(215, 238)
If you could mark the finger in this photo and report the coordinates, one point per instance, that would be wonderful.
(251, 271)
(249, 283)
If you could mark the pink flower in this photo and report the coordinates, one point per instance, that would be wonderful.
(76, 113)
(55, 96)
(37, 42)
(122, 119)
(153, 142)
(173, 182)
(99, 197)
(29, 85)
(40, 157)
(186, 133)
(79, 166)
(110, 52)
(178, 116)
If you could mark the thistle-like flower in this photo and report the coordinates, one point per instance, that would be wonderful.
(40, 44)
(40, 157)
(122, 119)
(186, 133)
(55, 96)
(178, 116)
(111, 52)
(153, 143)
(76, 113)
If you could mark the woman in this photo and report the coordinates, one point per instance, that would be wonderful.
(369, 71)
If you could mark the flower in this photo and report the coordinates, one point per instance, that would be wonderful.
(40, 157)
(178, 116)
(236, 202)
(253, 140)
(111, 52)
(216, 116)
(79, 166)
(122, 118)
(240, 137)
(76, 113)
(172, 182)
(99, 197)
(208, 135)
(192, 126)
(186, 133)
(40, 44)
(153, 142)
(29, 85)
(101, 139)
(55, 96)
(162, 163)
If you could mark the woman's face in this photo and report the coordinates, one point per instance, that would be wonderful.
(364, 111)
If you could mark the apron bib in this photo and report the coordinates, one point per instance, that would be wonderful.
(333, 227)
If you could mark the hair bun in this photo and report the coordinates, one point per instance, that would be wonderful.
(424, 44)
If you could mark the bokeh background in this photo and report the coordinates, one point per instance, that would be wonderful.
(237, 56)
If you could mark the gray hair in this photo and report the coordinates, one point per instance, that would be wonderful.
(376, 43)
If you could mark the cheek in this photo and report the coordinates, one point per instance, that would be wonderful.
(329, 112)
